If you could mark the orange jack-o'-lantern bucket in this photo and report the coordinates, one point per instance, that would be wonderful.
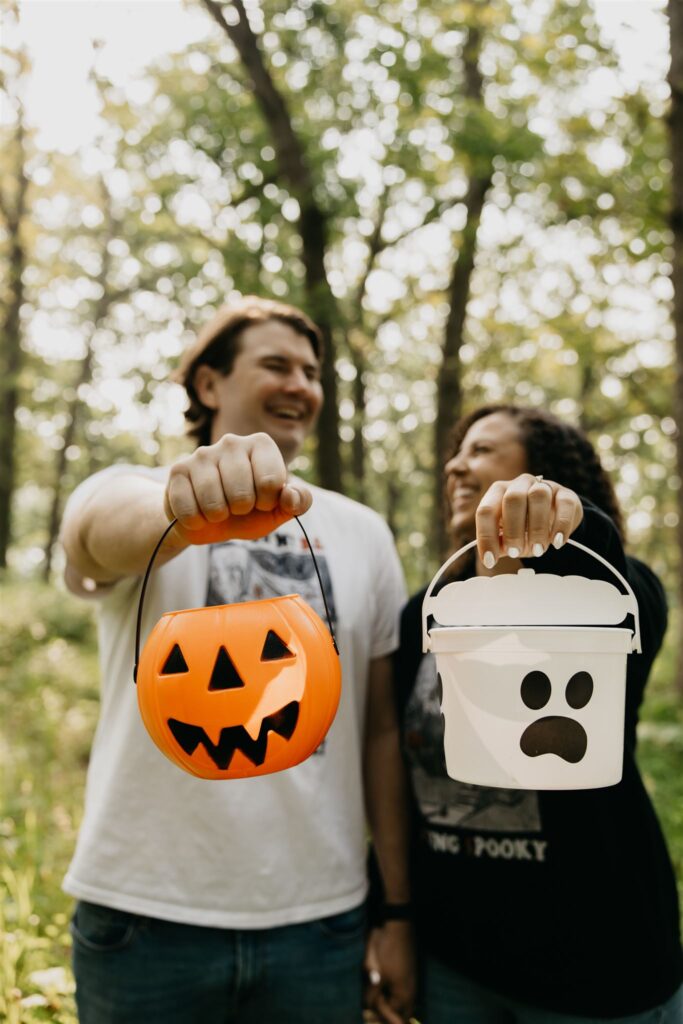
(236, 690)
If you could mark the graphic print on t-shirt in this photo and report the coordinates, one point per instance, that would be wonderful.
(274, 566)
(444, 801)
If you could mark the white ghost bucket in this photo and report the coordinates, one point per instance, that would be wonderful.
(533, 689)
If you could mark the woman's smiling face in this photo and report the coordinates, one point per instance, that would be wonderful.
(491, 450)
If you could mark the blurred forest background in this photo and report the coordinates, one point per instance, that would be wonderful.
(471, 197)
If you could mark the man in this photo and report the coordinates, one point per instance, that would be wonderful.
(239, 900)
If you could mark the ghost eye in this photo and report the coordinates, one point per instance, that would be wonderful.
(536, 690)
(274, 649)
(579, 690)
(175, 663)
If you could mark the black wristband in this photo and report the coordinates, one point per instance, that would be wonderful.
(396, 912)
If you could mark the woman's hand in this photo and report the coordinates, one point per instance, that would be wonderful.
(390, 973)
(522, 517)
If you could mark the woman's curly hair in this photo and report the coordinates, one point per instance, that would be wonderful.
(554, 449)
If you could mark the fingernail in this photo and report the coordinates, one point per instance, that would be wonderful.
(537, 550)
(513, 552)
(558, 540)
(489, 559)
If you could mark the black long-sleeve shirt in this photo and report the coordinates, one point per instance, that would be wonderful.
(564, 900)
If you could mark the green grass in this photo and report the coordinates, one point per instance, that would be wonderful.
(48, 709)
(660, 749)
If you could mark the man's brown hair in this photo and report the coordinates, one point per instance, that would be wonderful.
(218, 343)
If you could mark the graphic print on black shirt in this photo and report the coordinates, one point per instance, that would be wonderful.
(274, 566)
(444, 801)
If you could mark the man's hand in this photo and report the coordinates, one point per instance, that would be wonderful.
(240, 479)
(391, 972)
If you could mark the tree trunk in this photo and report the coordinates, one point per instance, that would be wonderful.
(55, 515)
(394, 490)
(295, 172)
(14, 213)
(102, 306)
(587, 384)
(358, 452)
(448, 385)
(675, 10)
(358, 447)
(322, 307)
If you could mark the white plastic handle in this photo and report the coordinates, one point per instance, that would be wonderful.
(636, 644)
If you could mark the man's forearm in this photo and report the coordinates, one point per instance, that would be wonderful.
(387, 816)
(386, 794)
(113, 532)
(391, 948)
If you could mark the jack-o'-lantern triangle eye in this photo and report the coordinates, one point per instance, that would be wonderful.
(175, 663)
(224, 676)
(274, 649)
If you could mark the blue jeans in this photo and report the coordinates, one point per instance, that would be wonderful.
(450, 998)
(139, 970)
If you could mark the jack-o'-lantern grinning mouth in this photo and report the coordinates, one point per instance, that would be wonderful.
(236, 737)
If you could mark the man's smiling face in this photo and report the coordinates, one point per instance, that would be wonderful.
(274, 387)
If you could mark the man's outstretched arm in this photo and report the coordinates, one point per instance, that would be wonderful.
(113, 530)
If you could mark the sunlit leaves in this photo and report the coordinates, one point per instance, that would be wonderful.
(569, 297)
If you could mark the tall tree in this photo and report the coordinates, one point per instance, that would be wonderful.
(13, 210)
(75, 406)
(675, 10)
(295, 172)
(448, 381)
(387, 117)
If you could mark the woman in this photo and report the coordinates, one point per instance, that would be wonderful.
(552, 906)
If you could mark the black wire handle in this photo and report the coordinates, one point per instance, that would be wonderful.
(148, 570)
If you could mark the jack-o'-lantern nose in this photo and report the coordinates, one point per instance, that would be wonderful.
(225, 676)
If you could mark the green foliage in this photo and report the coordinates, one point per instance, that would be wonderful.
(48, 707)
(568, 302)
(183, 205)
(660, 749)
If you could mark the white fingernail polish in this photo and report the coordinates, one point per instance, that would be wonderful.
(513, 552)
(558, 540)
(489, 559)
(537, 550)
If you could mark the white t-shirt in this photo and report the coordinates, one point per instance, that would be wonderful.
(246, 853)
